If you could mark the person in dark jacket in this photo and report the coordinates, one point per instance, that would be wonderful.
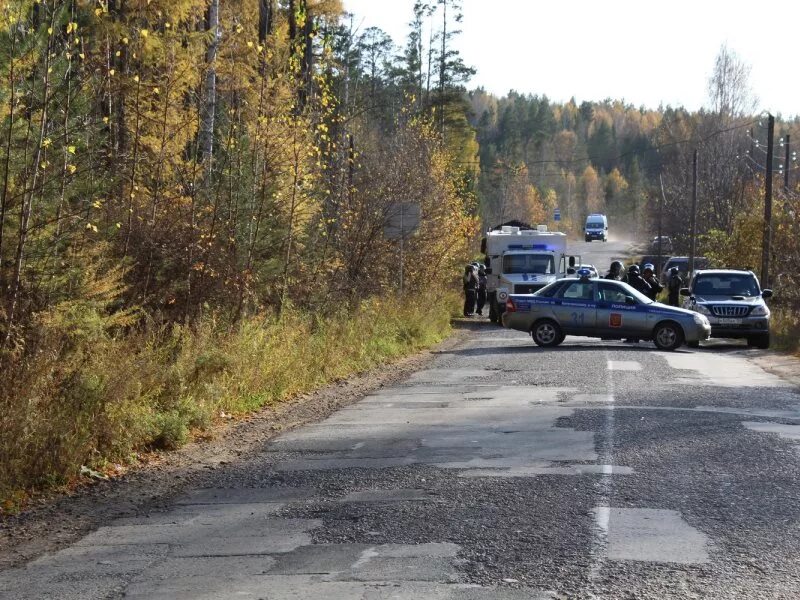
(481, 292)
(674, 285)
(649, 275)
(470, 281)
(636, 281)
(616, 271)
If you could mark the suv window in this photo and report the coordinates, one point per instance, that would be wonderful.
(700, 262)
(579, 290)
(733, 284)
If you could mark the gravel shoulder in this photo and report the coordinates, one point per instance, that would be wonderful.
(58, 519)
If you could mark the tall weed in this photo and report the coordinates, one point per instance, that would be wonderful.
(92, 394)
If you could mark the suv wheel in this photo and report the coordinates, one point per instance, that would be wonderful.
(547, 334)
(761, 341)
(668, 336)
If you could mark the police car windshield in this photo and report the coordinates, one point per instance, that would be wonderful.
(541, 264)
(594, 226)
(732, 284)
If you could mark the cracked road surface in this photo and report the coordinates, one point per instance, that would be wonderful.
(504, 471)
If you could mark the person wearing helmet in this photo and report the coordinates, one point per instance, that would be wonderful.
(616, 271)
(637, 282)
(674, 285)
(470, 281)
(481, 291)
(649, 275)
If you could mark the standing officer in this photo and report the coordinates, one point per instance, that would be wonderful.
(636, 281)
(616, 271)
(470, 280)
(481, 295)
(674, 285)
(649, 276)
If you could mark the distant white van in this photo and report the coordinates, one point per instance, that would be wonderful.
(596, 228)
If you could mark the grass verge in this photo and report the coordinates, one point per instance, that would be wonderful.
(785, 330)
(91, 398)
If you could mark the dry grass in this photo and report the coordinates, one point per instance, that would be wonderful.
(90, 397)
(785, 327)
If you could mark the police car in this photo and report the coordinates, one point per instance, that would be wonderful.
(604, 309)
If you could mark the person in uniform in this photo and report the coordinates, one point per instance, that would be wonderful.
(470, 281)
(616, 271)
(674, 285)
(649, 275)
(637, 282)
(481, 292)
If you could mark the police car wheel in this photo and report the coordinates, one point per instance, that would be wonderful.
(668, 336)
(547, 334)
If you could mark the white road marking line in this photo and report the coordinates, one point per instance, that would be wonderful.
(602, 516)
(604, 486)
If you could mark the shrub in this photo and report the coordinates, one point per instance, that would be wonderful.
(93, 395)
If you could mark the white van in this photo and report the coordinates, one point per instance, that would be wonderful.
(596, 228)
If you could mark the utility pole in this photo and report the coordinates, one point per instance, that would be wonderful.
(693, 247)
(402, 246)
(660, 221)
(767, 241)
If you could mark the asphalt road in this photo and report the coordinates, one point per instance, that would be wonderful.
(600, 254)
(503, 471)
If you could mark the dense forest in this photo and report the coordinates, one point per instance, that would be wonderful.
(199, 205)
(611, 157)
(207, 206)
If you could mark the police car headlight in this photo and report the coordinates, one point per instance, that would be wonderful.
(702, 309)
(760, 311)
(701, 320)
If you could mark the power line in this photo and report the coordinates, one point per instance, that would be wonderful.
(652, 149)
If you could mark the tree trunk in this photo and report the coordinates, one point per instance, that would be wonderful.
(28, 196)
(209, 107)
(7, 166)
(443, 68)
(308, 57)
(266, 18)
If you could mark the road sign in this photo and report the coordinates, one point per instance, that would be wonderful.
(401, 220)
(557, 215)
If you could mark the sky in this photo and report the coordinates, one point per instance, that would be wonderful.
(645, 52)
